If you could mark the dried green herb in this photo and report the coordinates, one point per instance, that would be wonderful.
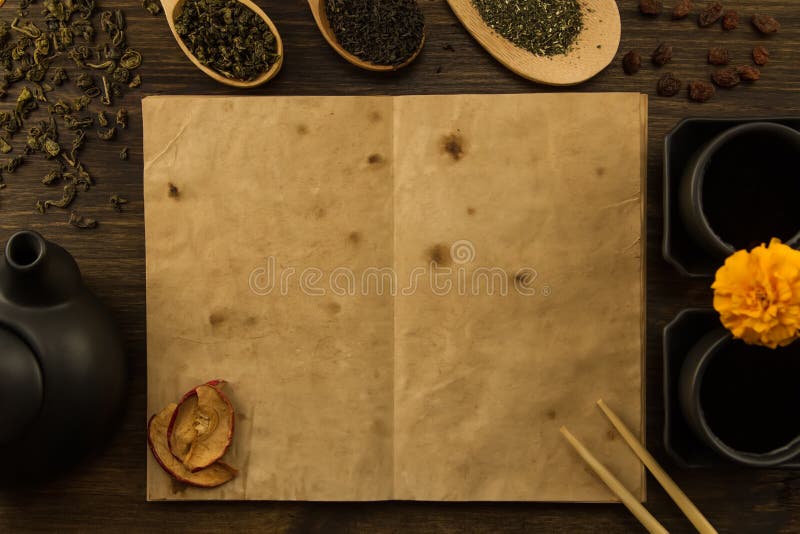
(26, 103)
(542, 27)
(152, 6)
(79, 221)
(42, 49)
(60, 108)
(107, 134)
(77, 142)
(79, 177)
(117, 202)
(51, 147)
(12, 164)
(66, 199)
(228, 37)
(106, 100)
(84, 81)
(52, 177)
(75, 123)
(122, 118)
(58, 76)
(382, 32)
(130, 60)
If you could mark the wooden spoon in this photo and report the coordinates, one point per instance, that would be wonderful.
(594, 49)
(321, 16)
(172, 8)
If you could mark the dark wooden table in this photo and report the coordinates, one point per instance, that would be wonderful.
(107, 493)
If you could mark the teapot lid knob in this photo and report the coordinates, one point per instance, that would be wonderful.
(22, 390)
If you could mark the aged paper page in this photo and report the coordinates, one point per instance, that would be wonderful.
(273, 225)
(306, 183)
(538, 197)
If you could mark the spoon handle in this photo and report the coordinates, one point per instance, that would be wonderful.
(169, 8)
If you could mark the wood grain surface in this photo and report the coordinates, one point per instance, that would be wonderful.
(107, 492)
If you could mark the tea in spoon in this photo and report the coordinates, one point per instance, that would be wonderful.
(324, 25)
(174, 8)
(592, 51)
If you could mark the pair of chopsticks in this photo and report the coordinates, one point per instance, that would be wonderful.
(632, 503)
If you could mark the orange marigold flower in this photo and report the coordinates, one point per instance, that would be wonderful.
(757, 295)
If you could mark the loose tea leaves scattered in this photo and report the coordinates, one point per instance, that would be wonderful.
(71, 41)
(66, 199)
(117, 202)
(381, 32)
(79, 221)
(227, 37)
(13, 163)
(52, 177)
(107, 134)
(542, 27)
(122, 118)
(152, 6)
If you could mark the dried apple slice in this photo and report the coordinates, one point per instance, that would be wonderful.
(210, 477)
(201, 428)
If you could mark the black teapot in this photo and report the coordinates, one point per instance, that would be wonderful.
(61, 361)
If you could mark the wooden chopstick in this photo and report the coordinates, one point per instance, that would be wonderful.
(687, 507)
(632, 503)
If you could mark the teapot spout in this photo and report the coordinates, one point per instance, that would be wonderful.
(25, 250)
(35, 272)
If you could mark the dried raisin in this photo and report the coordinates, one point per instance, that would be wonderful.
(766, 24)
(760, 55)
(718, 56)
(710, 14)
(700, 91)
(651, 7)
(749, 73)
(726, 78)
(632, 62)
(669, 85)
(730, 20)
(682, 9)
(662, 55)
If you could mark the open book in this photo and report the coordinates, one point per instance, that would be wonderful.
(407, 295)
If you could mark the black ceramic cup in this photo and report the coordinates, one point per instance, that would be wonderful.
(742, 400)
(740, 189)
